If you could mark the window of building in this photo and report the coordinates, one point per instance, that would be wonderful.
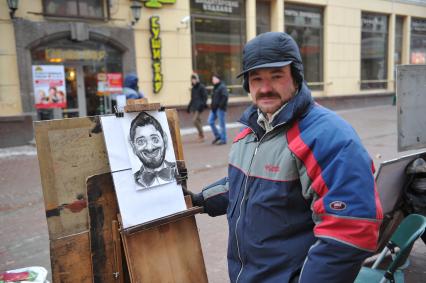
(263, 16)
(305, 25)
(218, 35)
(399, 25)
(418, 41)
(374, 49)
(75, 8)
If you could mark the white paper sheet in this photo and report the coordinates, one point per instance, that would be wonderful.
(115, 143)
(121, 102)
(138, 205)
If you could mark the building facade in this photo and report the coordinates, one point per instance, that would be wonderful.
(349, 48)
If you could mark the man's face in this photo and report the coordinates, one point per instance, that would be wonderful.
(271, 88)
(149, 146)
(215, 80)
(193, 81)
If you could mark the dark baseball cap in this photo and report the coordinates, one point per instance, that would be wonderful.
(270, 50)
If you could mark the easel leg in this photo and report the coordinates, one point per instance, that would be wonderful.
(118, 264)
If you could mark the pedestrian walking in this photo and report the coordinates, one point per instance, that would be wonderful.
(218, 110)
(300, 195)
(197, 104)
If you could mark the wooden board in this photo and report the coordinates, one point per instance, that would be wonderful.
(137, 101)
(70, 259)
(142, 107)
(68, 151)
(103, 210)
(167, 253)
(173, 120)
(71, 150)
(140, 251)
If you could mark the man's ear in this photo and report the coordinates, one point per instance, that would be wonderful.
(132, 145)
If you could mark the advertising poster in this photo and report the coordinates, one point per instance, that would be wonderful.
(49, 86)
(110, 83)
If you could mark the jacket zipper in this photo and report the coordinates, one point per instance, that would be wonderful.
(244, 197)
(239, 216)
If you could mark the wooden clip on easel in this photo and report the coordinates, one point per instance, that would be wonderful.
(86, 245)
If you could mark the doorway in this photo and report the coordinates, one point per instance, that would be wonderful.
(76, 103)
(83, 98)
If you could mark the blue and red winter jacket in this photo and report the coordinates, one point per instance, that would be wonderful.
(300, 199)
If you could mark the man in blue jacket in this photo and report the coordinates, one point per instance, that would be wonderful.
(218, 110)
(300, 196)
(131, 88)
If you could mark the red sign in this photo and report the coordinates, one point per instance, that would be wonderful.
(110, 83)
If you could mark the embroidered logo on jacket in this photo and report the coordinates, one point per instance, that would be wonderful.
(272, 168)
(338, 205)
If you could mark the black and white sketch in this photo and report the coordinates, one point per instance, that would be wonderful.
(142, 162)
(150, 143)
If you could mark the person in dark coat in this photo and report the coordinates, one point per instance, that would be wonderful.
(218, 110)
(197, 104)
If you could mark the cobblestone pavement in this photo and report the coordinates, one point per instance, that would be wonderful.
(23, 233)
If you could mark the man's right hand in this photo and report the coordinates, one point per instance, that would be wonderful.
(197, 199)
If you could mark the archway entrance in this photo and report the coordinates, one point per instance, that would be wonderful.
(83, 63)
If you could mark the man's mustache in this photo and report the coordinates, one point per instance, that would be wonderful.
(268, 95)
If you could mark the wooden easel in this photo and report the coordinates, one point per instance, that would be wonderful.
(82, 213)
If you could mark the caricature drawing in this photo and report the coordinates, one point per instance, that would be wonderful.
(150, 143)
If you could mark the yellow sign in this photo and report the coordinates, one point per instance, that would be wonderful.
(71, 54)
(158, 3)
(155, 43)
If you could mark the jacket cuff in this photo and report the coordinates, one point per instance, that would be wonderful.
(198, 199)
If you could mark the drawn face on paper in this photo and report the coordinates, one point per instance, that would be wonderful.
(149, 146)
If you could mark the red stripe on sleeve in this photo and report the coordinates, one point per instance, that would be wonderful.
(318, 207)
(242, 134)
(358, 232)
(304, 153)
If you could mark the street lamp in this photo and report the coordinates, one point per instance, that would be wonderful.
(136, 8)
(13, 6)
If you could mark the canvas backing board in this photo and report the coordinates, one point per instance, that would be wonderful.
(411, 105)
(391, 178)
(137, 205)
(68, 151)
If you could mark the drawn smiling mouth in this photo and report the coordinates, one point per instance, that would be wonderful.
(152, 154)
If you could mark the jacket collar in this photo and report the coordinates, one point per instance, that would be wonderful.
(217, 85)
(295, 108)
